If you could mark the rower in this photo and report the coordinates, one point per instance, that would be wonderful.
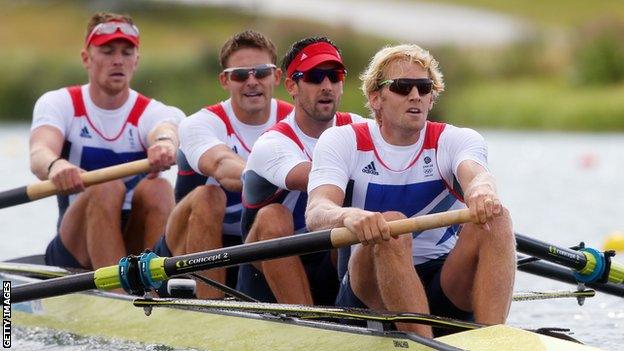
(404, 166)
(276, 177)
(96, 125)
(215, 143)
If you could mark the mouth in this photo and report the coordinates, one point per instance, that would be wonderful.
(325, 101)
(253, 94)
(117, 75)
(413, 111)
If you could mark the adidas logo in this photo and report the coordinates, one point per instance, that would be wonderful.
(370, 169)
(84, 132)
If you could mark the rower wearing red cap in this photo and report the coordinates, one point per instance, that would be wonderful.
(96, 125)
(276, 177)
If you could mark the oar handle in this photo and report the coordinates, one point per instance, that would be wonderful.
(46, 188)
(341, 237)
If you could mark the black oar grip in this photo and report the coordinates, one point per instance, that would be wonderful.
(13, 197)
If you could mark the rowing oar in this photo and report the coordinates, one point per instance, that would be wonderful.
(590, 266)
(138, 274)
(46, 188)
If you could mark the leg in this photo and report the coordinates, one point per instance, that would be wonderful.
(483, 263)
(285, 276)
(152, 203)
(91, 229)
(196, 225)
(383, 277)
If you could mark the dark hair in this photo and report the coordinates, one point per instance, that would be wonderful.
(247, 39)
(299, 45)
(103, 17)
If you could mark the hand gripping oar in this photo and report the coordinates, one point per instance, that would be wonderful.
(46, 188)
(589, 265)
(145, 272)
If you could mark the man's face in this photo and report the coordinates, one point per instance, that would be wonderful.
(253, 95)
(112, 65)
(397, 111)
(317, 101)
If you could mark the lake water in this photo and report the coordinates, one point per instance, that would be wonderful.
(560, 188)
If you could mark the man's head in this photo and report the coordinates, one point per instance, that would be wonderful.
(401, 84)
(110, 54)
(314, 77)
(249, 72)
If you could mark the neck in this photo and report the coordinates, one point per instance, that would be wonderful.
(106, 100)
(399, 136)
(310, 126)
(253, 118)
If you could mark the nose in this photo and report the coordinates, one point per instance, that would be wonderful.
(326, 84)
(414, 94)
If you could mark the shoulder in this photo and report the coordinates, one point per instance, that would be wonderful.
(355, 118)
(159, 109)
(56, 97)
(451, 132)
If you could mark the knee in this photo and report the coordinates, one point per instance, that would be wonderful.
(273, 221)
(393, 215)
(112, 192)
(399, 247)
(208, 199)
(154, 195)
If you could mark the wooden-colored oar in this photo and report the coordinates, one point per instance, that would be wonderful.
(46, 188)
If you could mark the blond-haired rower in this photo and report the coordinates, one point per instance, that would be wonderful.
(404, 166)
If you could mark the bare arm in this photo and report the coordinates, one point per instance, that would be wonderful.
(225, 166)
(297, 178)
(46, 143)
(479, 191)
(163, 145)
(324, 211)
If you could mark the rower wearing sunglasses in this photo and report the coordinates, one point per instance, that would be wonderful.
(276, 176)
(404, 166)
(214, 145)
(96, 125)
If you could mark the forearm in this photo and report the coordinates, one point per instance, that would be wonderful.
(228, 173)
(40, 159)
(482, 181)
(325, 214)
(164, 132)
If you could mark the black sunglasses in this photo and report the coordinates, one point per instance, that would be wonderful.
(241, 74)
(316, 75)
(403, 86)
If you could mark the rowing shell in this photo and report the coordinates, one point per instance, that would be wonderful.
(223, 325)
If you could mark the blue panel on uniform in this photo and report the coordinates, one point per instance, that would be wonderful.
(299, 211)
(95, 158)
(232, 198)
(408, 199)
(233, 217)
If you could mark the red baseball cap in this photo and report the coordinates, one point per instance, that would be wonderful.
(312, 56)
(108, 31)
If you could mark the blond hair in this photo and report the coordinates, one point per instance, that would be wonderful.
(377, 68)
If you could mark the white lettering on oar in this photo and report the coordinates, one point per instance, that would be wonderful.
(6, 314)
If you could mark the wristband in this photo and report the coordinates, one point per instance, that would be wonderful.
(52, 164)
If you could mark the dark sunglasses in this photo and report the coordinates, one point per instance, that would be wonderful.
(317, 76)
(404, 86)
(241, 74)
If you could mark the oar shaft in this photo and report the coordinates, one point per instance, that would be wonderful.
(46, 188)
(53, 287)
(560, 255)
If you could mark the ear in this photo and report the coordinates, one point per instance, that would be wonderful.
(291, 87)
(278, 76)
(223, 80)
(374, 100)
(432, 101)
(84, 57)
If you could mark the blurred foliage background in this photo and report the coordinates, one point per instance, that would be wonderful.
(567, 75)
